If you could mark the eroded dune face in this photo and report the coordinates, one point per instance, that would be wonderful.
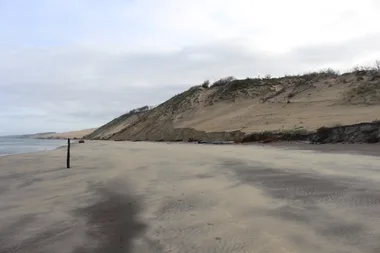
(254, 105)
(151, 197)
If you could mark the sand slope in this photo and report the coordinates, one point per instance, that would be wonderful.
(147, 197)
(253, 105)
(72, 134)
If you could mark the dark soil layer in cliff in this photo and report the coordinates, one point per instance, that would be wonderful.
(368, 132)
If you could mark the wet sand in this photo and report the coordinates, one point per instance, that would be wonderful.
(157, 197)
(339, 148)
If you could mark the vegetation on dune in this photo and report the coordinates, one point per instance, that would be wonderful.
(229, 88)
(366, 94)
(206, 84)
(181, 100)
(367, 88)
(118, 120)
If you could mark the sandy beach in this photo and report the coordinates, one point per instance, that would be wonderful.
(158, 197)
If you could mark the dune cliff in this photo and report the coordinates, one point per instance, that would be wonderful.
(230, 108)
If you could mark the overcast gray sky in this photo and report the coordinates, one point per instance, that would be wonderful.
(73, 64)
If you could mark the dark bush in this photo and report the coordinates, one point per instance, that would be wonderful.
(223, 81)
(206, 84)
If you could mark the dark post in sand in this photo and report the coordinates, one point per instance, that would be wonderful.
(68, 154)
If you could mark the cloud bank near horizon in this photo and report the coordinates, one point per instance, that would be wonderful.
(66, 65)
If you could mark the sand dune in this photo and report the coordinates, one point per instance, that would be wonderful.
(72, 134)
(305, 102)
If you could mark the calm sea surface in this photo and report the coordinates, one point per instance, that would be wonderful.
(9, 146)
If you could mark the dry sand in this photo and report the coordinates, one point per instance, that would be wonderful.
(150, 197)
(251, 117)
(73, 134)
(322, 104)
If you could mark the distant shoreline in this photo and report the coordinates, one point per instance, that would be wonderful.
(19, 146)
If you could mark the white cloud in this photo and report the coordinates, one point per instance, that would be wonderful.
(81, 63)
(272, 25)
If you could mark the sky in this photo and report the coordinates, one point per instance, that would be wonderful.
(74, 64)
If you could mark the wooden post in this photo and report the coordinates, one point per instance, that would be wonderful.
(68, 154)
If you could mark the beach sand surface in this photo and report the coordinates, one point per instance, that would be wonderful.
(158, 197)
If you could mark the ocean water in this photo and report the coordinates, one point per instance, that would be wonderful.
(10, 146)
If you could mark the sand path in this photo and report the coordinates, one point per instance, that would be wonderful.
(156, 197)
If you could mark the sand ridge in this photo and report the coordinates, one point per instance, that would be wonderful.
(305, 102)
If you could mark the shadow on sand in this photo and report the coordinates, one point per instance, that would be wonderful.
(112, 221)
